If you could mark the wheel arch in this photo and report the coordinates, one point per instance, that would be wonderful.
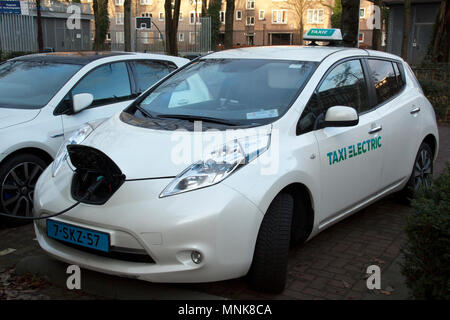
(44, 155)
(432, 141)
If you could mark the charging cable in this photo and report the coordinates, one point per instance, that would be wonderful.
(89, 192)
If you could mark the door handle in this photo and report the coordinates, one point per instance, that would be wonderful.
(57, 135)
(415, 110)
(375, 129)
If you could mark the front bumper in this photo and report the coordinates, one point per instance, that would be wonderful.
(217, 221)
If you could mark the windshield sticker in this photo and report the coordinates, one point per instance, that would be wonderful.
(263, 114)
(295, 66)
(353, 150)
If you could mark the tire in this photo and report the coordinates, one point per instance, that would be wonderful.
(421, 175)
(18, 177)
(269, 267)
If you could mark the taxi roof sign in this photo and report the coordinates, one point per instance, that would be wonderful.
(323, 34)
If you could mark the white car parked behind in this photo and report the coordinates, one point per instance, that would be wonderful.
(45, 97)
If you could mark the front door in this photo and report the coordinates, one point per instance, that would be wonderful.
(350, 157)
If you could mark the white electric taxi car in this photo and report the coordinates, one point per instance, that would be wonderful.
(44, 98)
(216, 171)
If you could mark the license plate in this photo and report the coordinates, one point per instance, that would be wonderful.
(79, 236)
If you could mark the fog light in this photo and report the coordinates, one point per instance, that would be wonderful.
(196, 257)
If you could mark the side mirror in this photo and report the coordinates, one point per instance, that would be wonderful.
(81, 101)
(340, 116)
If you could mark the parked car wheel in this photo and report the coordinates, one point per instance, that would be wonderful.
(422, 172)
(270, 259)
(18, 177)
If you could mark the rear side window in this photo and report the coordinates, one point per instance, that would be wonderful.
(148, 72)
(398, 76)
(384, 78)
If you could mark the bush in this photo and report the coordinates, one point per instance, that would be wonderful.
(426, 263)
(437, 93)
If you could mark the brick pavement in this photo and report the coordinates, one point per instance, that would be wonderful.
(330, 266)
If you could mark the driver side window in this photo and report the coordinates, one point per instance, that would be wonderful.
(345, 85)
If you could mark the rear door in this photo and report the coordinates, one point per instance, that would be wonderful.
(350, 157)
(112, 88)
(399, 108)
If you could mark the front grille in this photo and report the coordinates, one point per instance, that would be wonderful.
(123, 254)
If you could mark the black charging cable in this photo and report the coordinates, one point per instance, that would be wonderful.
(89, 192)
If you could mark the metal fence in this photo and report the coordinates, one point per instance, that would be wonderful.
(17, 33)
(191, 38)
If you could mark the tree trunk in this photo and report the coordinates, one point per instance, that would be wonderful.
(406, 28)
(376, 34)
(440, 43)
(229, 18)
(171, 24)
(101, 21)
(127, 24)
(350, 22)
(39, 27)
(301, 29)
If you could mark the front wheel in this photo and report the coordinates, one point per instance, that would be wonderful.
(269, 268)
(422, 172)
(18, 177)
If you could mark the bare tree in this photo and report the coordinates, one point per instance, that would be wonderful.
(350, 22)
(376, 34)
(39, 27)
(300, 7)
(229, 18)
(172, 15)
(441, 44)
(127, 24)
(406, 27)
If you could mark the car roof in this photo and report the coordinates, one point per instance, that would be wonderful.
(86, 57)
(299, 53)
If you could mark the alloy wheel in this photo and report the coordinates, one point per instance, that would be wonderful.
(17, 189)
(423, 170)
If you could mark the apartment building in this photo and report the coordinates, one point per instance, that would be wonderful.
(256, 22)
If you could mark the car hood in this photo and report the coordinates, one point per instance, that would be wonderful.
(147, 153)
(12, 117)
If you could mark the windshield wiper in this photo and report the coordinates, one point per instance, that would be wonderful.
(143, 111)
(199, 118)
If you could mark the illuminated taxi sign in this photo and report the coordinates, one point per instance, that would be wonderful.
(323, 34)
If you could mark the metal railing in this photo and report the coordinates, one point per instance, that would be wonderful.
(17, 33)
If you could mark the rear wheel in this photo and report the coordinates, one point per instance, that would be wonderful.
(18, 177)
(422, 172)
(269, 268)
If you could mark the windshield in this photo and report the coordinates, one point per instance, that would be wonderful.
(31, 84)
(237, 91)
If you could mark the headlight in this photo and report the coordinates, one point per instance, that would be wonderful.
(218, 164)
(78, 137)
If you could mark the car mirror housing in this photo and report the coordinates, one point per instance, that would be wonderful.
(341, 116)
(81, 101)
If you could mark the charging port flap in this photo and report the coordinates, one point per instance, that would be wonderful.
(93, 169)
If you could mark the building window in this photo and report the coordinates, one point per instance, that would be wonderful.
(315, 16)
(119, 2)
(119, 18)
(119, 37)
(108, 36)
(222, 17)
(181, 37)
(192, 18)
(261, 15)
(250, 21)
(250, 4)
(180, 16)
(238, 15)
(146, 2)
(279, 16)
(361, 37)
(161, 16)
(192, 37)
(362, 13)
(145, 37)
